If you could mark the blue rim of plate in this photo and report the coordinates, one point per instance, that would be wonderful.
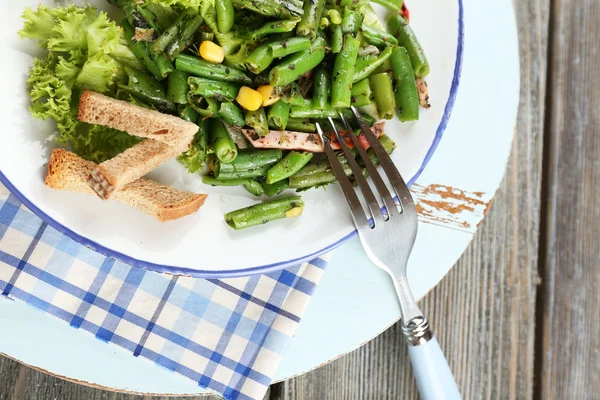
(269, 267)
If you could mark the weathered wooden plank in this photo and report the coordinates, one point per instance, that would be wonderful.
(484, 310)
(9, 373)
(570, 352)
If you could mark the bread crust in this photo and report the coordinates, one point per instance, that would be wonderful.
(67, 171)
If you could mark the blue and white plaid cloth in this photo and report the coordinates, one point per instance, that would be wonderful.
(228, 335)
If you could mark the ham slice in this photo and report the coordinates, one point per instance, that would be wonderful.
(290, 140)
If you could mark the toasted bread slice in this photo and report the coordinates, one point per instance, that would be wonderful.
(130, 165)
(95, 108)
(67, 171)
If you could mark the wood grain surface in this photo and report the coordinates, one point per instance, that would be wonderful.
(518, 316)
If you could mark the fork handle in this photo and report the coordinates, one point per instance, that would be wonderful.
(432, 373)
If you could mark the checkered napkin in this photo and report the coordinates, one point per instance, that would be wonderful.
(227, 335)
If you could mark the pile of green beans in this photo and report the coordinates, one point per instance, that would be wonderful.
(307, 61)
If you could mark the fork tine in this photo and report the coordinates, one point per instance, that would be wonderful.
(357, 211)
(362, 182)
(390, 169)
(382, 188)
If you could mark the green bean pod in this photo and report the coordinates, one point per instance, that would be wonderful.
(269, 28)
(171, 33)
(212, 181)
(337, 39)
(150, 18)
(309, 24)
(258, 121)
(407, 97)
(178, 87)
(288, 166)
(254, 187)
(377, 37)
(225, 15)
(148, 89)
(231, 114)
(351, 21)
(334, 16)
(198, 67)
(343, 73)
(399, 27)
(292, 94)
(301, 125)
(365, 65)
(205, 106)
(222, 144)
(260, 58)
(297, 64)
(383, 91)
(362, 94)
(242, 174)
(278, 115)
(183, 40)
(275, 188)
(187, 113)
(140, 50)
(218, 90)
(262, 213)
(251, 160)
(311, 112)
(321, 87)
(285, 47)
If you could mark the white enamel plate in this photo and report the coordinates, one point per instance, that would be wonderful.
(202, 244)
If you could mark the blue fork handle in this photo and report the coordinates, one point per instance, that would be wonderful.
(433, 375)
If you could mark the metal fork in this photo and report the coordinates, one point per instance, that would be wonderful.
(387, 232)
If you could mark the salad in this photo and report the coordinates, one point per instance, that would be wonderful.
(255, 76)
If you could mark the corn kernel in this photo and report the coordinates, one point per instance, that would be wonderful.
(249, 98)
(269, 95)
(294, 212)
(212, 52)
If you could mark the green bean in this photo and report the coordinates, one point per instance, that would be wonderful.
(275, 188)
(365, 65)
(399, 27)
(140, 50)
(393, 5)
(292, 94)
(218, 90)
(150, 18)
(349, 116)
(337, 39)
(407, 97)
(178, 87)
(272, 8)
(377, 37)
(387, 144)
(197, 66)
(278, 115)
(309, 24)
(269, 28)
(385, 67)
(242, 174)
(285, 47)
(324, 24)
(383, 91)
(205, 106)
(351, 21)
(254, 187)
(225, 15)
(165, 66)
(262, 213)
(212, 181)
(187, 113)
(164, 15)
(161, 43)
(288, 166)
(343, 72)
(335, 16)
(301, 125)
(231, 114)
(321, 87)
(310, 112)
(361, 93)
(297, 64)
(260, 58)
(183, 40)
(222, 143)
(148, 89)
(258, 121)
(251, 160)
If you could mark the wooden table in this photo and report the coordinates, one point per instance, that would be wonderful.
(518, 316)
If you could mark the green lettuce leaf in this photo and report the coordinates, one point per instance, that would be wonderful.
(99, 73)
(193, 159)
